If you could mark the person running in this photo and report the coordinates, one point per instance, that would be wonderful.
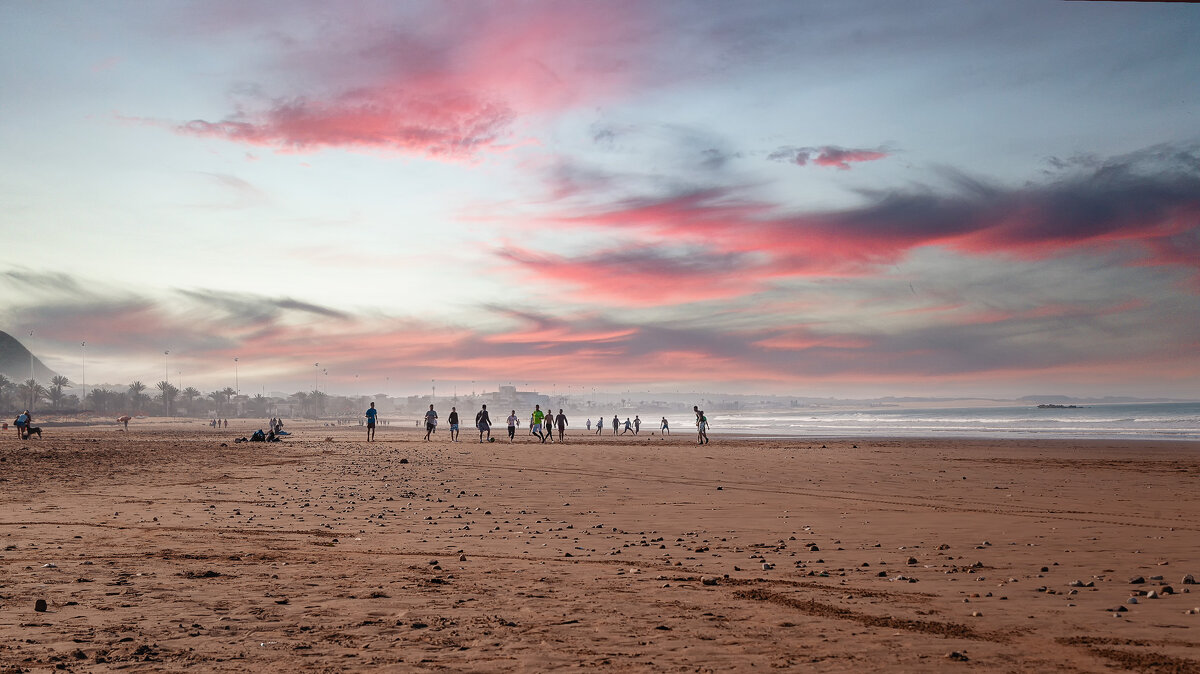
(664, 427)
(637, 424)
(628, 427)
(430, 422)
(616, 424)
(702, 425)
(370, 414)
(535, 422)
(484, 423)
(453, 421)
(512, 426)
(561, 420)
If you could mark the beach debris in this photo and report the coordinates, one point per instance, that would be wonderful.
(943, 546)
(40, 606)
(1192, 611)
(708, 580)
(976, 614)
(958, 656)
(767, 566)
(1188, 580)
(49, 565)
(1136, 580)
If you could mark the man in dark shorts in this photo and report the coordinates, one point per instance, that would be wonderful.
(430, 422)
(616, 424)
(453, 419)
(371, 414)
(484, 423)
(561, 422)
(512, 426)
(23, 421)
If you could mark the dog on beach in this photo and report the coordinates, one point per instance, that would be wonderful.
(29, 432)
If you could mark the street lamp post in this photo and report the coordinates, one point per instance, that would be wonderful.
(236, 387)
(83, 383)
(166, 370)
(316, 371)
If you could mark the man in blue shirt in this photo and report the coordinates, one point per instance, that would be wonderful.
(371, 414)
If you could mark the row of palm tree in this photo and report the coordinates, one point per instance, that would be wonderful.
(135, 399)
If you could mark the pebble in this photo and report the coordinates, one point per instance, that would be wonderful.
(40, 606)
(957, 655)
(912, 560)
(1131, 600)
(1188, 580)
(707, 580)
(1151, 595)
(976, 614)
(1136, 580)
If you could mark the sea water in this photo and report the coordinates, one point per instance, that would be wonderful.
(1146, 421)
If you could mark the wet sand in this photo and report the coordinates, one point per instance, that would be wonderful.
(160, 549)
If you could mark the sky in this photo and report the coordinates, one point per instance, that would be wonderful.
(852, 199)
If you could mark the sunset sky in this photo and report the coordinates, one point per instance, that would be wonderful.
(825, 199)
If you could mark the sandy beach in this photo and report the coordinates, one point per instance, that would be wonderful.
(161, 549)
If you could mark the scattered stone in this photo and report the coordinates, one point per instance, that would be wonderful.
(958, 656)
(976, 614)
(401, 460)
(1136, 580)
(1131, 600)
(462, 558)
(40, 606)
(708, 580)
(1188, 580)
(912, 560)
(943, 546)
(1156, 577)
(1151, 595)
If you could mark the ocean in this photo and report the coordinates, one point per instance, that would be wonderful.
(1146, 421)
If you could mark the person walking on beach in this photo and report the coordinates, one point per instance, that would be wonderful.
(535, 422)
(484, 423)
(370, 414)
(664, 427)
(637, 424)
(453, 421)
(616, 424)
(589, 423)
(430, 422)
(512, 426)
(561, 420)
(702, 427)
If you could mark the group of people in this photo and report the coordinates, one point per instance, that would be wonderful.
(218, 423)
(541, 424)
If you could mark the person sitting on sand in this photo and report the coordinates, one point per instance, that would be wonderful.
(484, 423)
(430, 422)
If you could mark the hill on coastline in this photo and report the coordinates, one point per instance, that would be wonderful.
(14, 361)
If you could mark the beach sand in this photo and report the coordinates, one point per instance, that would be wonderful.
(160, 549)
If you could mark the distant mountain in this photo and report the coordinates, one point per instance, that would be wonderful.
(14, 362)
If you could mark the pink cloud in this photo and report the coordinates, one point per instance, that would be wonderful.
(448, 91)
(827, 155)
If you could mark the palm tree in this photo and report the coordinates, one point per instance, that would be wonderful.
(228, 392)
(190, 394)
(6, 387)
(31, 392)
(258, 404)
(57, 384)
(168, 395)
(318, 399)
(101, 399)
(136, 395)
(217, 397)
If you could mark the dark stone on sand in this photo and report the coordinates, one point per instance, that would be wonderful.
(40, 606)
(1136, 580)
(958, 656)
(1189, 580)
(912, 560)
(403, 460)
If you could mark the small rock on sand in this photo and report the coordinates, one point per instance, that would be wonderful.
(1136, 580)
(1188, 580)
(40, 606)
